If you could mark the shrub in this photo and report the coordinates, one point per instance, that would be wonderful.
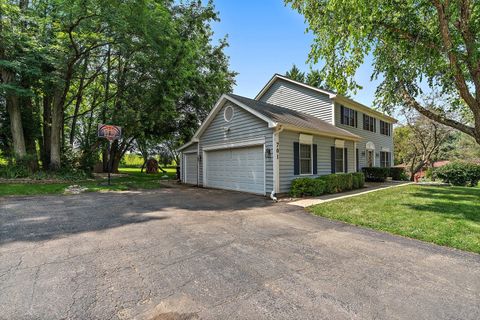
(14, 171)
(375, 174)
(459, 173)
(307, 187)
(358, 180)
(331, 183)
(398, 174)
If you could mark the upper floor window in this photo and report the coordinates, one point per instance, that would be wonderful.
(348, 116)
(385, 128)
(369, 123)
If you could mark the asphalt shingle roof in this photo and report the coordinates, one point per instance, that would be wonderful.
(294, 118)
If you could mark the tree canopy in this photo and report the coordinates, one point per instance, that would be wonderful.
(417, 46)
(149, 66)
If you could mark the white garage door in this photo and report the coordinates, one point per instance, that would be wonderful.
(239, 169)
(191, 168)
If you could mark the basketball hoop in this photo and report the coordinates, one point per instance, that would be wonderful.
(109, 132)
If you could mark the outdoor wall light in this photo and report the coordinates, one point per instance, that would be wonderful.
(268, 153)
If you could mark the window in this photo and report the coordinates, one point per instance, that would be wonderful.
(339, 159)
(369, 123)
(385, 159)
(305, 159)
(348, 116)
(385, 128)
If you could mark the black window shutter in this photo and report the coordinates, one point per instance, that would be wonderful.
(358, 160)
(332, 158)
(342, 113)
(296, 158)
(346, 160)
(356, 119)
(314, 158)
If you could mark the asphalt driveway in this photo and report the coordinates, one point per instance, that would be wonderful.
(207, 254)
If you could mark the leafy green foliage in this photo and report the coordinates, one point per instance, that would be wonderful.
(375, 174)
(459, 173)
(415, 45)
(307, 187)
(398, 174)
(331, 183)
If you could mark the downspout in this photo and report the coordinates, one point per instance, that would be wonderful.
(276, 160)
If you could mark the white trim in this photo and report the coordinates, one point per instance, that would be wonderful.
(233, 113)
(331, 95)
(264, 169)
(232, 145)
(353, 137)
(276, 160)
(220, 103)
(198, 164)
(355, 156)
(187, 152)
(385, 149)
(300, 159)
(188, 144)
(278, 76)
(252, 143)
(204, 168)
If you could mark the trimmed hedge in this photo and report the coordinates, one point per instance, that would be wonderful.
(398, 174)
(459, 173)
(332, 183)
(375, 174)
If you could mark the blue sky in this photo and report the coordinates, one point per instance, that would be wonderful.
(267, 37)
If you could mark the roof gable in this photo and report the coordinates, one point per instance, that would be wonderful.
(332, 95)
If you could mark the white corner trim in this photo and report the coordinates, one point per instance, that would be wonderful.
(235, 144)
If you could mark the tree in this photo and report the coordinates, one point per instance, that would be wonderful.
(415, 44)
(150, 66)
(418, 142)
(295, 74)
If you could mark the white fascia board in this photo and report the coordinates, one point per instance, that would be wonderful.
(271, 124)
(320, 133)
(219, 105)
(278, 76)
(188, 144)
(210, 116)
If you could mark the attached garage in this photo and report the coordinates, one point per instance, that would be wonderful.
(190, 167)
(241, 169)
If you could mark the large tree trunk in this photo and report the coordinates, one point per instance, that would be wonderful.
(30, 132)
(47, 126)
(56, 130)
(78, 101)
(16, 127)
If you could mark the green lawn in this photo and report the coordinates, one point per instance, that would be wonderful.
(448, 216)
(133, 181)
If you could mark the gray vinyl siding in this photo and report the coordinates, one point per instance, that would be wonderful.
(324, 144)
(193, 147)
(379, 140)
(243, 126)
(289, 95)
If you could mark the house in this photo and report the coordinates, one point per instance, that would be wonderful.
(289, 130)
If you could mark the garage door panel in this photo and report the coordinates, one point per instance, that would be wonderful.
(239, 169)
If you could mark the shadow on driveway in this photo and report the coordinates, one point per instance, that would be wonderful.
(47, 217)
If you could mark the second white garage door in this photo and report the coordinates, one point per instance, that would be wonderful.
(239, 169)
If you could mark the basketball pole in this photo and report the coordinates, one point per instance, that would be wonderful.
(109, 160)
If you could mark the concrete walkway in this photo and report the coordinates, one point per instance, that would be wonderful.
(369, 187)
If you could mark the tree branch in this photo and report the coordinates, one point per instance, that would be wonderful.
(411, 102)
